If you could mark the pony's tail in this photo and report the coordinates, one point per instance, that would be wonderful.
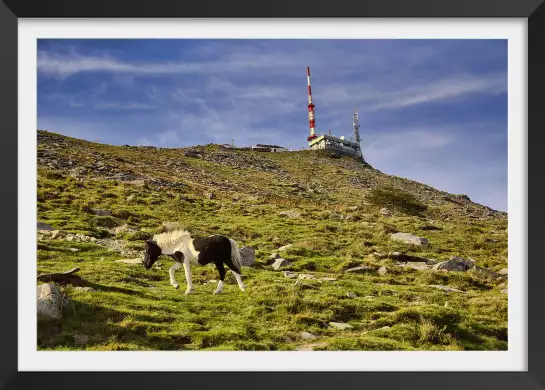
(235, 256)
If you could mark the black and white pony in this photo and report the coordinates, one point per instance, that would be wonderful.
(187, 251)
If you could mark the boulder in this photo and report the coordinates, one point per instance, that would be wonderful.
(308, 336)
(290, 275)
(361, 269)
(382, 270)
(503, 271)
(340, 325)
(279, 263)
(247, 256)
(485, 273)
(49, 301)
(44, 226)
(455, 264)
(409, 238)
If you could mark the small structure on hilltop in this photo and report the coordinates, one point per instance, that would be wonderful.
(268, 148)
(328, 141)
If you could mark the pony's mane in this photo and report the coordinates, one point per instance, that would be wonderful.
(172, 237)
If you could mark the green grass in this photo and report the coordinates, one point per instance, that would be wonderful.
(339, 227)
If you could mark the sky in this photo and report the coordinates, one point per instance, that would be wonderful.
(434, 111)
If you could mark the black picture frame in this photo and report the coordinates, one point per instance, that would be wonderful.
(532, 10)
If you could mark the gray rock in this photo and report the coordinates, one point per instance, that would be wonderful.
(328, 279)
(247, 255)
(504, 291)
(455, 264)
(384, 211)
(350, 294)
(361, 269)
(485, 273)
(290, 275)
(306, 276)
(308, 336)
(81, 339)
(408, 238)
(49, 301)
(44, 226)
(278, 263)
(503, 271)
(419, 266)
(340, 325)
(382, 270)
(311, 347)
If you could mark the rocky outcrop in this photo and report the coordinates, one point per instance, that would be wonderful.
(50, 301)
(409, 238)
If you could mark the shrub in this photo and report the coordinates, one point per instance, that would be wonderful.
(396, 200)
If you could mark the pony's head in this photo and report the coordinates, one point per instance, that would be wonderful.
(151, 253)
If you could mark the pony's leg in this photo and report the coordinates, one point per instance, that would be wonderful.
(171, 272)
(221, 270)
(187, 269)
(239, 281)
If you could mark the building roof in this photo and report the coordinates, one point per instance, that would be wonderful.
(267, 146)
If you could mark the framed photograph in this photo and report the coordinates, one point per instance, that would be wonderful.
(272, 193)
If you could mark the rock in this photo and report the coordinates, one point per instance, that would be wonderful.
(504, 291)
(278, 263)
(290, 275)
(361, 269)
(49, 301)
(67, 277)
(409, 239)
(382, 270)
(289, 214)
(308, 336)
(44, 226)
(455, 264)
(340, 325)
(419, 266)
(73, 249)
(503, 271)
(306, 276)
(247, 256)
(101, 213)
(384, 211)
(351, 295)
(283, 248)
(447, 288)
(137, 260)
(123, 229)
(81, 339)
(328, 279)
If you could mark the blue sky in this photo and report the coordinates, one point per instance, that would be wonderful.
(434, 111)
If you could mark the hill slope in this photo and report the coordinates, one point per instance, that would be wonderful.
(335, 212)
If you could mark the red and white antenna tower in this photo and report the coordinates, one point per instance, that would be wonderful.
(311, 117)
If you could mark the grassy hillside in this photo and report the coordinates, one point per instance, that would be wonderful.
(330, 209)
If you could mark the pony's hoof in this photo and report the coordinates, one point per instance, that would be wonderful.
(187, 292)
(176, 286)
(217, 292)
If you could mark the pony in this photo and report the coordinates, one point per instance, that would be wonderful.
(188, 251)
